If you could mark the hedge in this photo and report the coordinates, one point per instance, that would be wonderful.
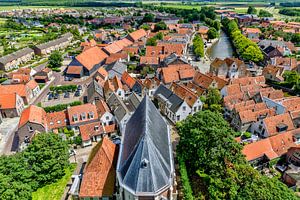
(187, 189)
(61, 107)
(63, 88)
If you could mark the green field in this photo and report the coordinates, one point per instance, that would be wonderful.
(55, 190)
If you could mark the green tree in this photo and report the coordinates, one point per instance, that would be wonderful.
(296, 38)
(148, 17)
(160, 26)
(251, 10)
(48, 156)
(151, 42)
(264, 13)
(198, 46)
(212, 33)
(146, 27)
(217, 25)
(252, 53)
(55, 60)
(159, 36)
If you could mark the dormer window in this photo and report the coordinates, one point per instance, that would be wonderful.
(58, 121)
(51, 123)
(83, 116)
(144, 163)
(281, 127)
(91, 115)
(75, 118)
(96, 128)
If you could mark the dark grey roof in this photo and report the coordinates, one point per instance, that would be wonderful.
(117, 105)
(145, 162)
(175, 102)
(15, 55)
(116, 69)
(266, 43)
(133, 101)
(162, 91)
(65, 37)
(172, 58)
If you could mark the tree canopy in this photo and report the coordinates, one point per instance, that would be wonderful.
(43, 162)
(55, 60)
(212, 33)
(214, 159)
(160, 26)
(246, 48)
(198, 46)
(251, 10)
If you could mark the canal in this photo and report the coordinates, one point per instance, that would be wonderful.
(222, 48)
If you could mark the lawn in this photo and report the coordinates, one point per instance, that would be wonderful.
(55, 190)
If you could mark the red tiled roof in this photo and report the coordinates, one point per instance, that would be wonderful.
(271, 123)
(33, 114)
(128, 80)
(138, 34)
(102, 108)
(172, 73)
(99, 175)
(32, 84)
(82, 109)
(57, 119)
(89, 130)
(74, 70)
(8, 101)
(116, 57)
(272, 147)
(91, 57)
(20, 89)
(149, 60)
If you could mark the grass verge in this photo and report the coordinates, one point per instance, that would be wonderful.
(55, 190)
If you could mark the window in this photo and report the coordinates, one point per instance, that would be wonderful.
(30, 128)
(58, 121)
(184, 108)
(91, 115)
(178, 117)
(97, 98)
(96, 128)
(51, 123)
(75, 118)
(119, 93)
(83, 116)
(107, 117)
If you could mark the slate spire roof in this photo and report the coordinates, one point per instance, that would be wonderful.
(145, 164)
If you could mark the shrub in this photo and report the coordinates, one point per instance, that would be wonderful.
(187, 189)
(61, 107)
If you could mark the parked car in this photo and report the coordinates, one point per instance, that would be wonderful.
(79, 87)
(77, 93)
(68, 78)
(67, 95)
(50, 96)
(56, 95)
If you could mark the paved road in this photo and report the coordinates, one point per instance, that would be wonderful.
(7, 132)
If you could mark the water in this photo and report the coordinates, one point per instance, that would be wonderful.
(221, 49)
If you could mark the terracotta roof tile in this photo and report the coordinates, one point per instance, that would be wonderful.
(85, 110)
(99, 174)
(102, 108)
(128, 80)
(138, 34)
(20, 89)
(74, 70)
(89, 130)
(91, 57)
(271, 123)
(33, 114)
(8, 101)
(149, 60)
(57, 119)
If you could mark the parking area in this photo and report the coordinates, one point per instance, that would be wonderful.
(7, 131)
(63, 96)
